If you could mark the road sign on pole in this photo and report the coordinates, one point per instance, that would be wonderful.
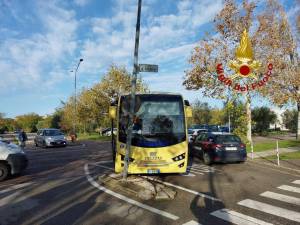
(148, 68)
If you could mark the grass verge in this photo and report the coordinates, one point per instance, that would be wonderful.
(285, 156)
(93, 137)
(259, 147)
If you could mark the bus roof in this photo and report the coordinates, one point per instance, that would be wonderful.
(155, 93)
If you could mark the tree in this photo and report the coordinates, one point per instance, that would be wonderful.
(262, 117)
(289, 119)
(236, 110)
(201, 113)
(281, 47)
(28, 121)
(93, 103)
(230, 23)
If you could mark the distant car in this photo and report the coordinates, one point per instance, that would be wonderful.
(108, 133)
(50, 137)
(224, 129)
(218, 148)
(104, 131)
(13, 159)
(193, 133)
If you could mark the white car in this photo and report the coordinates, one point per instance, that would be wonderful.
(192, 133)
(12, 159)
(108, 133)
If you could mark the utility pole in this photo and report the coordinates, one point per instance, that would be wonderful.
(75, 97)
(133, 90)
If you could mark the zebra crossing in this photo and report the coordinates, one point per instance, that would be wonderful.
(290, 215)
(198, 169)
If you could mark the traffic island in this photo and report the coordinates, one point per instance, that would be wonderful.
(138, 186)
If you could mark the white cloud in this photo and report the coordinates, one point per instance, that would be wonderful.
(164, 38)
(34, 62)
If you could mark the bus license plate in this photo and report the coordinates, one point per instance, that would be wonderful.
(152, 171)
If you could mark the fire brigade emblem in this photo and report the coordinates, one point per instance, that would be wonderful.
(244, 67)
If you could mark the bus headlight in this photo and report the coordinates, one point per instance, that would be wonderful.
(179, 157)
(181, 165)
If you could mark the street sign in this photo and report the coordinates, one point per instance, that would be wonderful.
(148, 68)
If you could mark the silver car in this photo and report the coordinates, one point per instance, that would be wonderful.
(50, 137)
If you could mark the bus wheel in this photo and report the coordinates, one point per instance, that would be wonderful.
(206, 158)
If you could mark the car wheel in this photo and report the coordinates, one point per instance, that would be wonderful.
(4, 171)
(36, 144)
(206, 158)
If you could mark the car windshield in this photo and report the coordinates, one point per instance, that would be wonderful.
(159, 120)
(52, 132)
(227, 139)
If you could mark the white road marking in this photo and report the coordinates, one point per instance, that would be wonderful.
(274, 210)
(296, 182)
(186, 189)
(280, 197)
(196, 171)
(189, 174)
(237, 218)
(124, 198)
(15, 187)
(102, 162)
(289, 188)
(173, 185)
(192, 222)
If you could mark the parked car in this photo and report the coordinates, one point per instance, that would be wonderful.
(218, 148)
(50, 137)
(108, 133)
(103, 131)
(193, 133)
(13, 159)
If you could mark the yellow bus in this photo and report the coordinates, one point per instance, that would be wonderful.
(159, 138)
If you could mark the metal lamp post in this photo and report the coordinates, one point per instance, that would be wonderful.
(75, 100)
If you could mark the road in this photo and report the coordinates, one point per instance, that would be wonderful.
(61, 186)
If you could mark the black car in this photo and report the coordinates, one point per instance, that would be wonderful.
(218, 148)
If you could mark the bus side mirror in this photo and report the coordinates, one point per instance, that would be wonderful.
(188, 111)
(112, 112)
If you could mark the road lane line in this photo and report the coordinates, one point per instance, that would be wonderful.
(280, 197)
(15, 187)
(185, 189)
(126, 199)
(274, 210)
(196, 171)
(172, 185)
(296, 182)
(188, 174)
(289, 188)
(192, 222)
(237, 218)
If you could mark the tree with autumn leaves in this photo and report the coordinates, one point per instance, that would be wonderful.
(93, 103)
(272, 40)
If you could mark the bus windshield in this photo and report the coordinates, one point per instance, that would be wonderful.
(158, 121)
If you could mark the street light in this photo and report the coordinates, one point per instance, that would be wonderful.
(75, 85)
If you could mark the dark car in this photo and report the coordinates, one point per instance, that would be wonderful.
(219, 148)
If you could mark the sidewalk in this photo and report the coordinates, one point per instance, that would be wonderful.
(263, 154)
(291, 164)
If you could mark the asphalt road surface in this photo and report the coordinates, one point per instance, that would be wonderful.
(61, 186)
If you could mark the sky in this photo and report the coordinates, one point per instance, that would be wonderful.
(42, 41)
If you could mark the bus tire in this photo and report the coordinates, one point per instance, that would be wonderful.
(206, 158)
